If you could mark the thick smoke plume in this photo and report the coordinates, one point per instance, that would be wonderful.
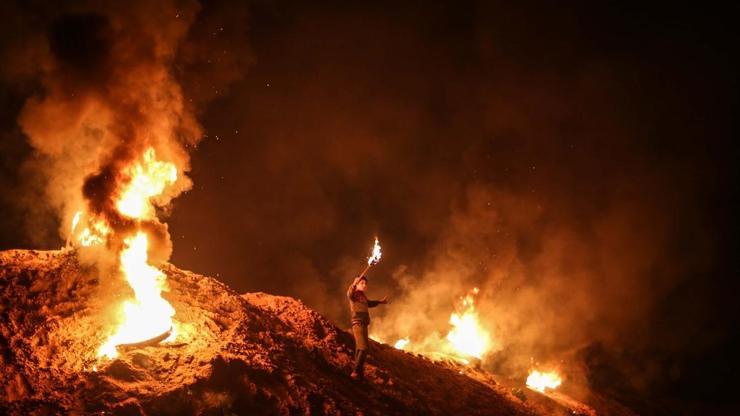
(108, 95)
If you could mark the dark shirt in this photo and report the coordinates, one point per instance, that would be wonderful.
(359, 304)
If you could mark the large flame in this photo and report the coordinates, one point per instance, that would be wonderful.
(147, 315)
(543, 380)
(468, 337)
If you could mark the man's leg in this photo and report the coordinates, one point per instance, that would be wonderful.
(361, 344)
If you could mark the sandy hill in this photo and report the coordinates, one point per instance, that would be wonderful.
(240, 354)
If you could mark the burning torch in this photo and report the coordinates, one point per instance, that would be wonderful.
(374, 257)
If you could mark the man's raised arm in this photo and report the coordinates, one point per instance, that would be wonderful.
(351, 289)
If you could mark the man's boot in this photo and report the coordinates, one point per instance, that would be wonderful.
(358, 371)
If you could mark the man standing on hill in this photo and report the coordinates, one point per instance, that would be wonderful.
(359, 304)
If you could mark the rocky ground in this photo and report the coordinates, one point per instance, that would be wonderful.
(236, 354)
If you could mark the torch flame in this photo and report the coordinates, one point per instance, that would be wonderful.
(467, 336)
(375, 256)
(543, 380)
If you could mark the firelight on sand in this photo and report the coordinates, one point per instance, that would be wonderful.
(543, 380)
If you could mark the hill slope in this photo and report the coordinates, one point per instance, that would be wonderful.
(238, 354)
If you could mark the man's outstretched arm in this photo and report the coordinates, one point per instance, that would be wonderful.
(374, 303)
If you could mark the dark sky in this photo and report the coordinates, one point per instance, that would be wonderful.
(574, 158)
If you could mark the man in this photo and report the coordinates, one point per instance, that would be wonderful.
(359, 304)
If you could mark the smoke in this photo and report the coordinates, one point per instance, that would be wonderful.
(556, 169)
(109, 90)
(107, 95)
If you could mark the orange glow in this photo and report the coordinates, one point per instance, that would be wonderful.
(543, 380)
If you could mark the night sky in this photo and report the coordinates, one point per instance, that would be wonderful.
(575, 163)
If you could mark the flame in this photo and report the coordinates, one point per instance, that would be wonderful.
(543, 380)
(468, 337)
(148, 315)
(147, 181)
(375, 257)
(401, 343)
(96, 233)
(75, 221)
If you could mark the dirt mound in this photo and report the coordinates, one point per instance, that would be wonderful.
(238, 354)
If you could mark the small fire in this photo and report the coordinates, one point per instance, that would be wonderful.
(468, 337)
(401, 343)
(375, 257)
(543, 380)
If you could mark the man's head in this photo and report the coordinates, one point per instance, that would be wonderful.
(362, 284)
